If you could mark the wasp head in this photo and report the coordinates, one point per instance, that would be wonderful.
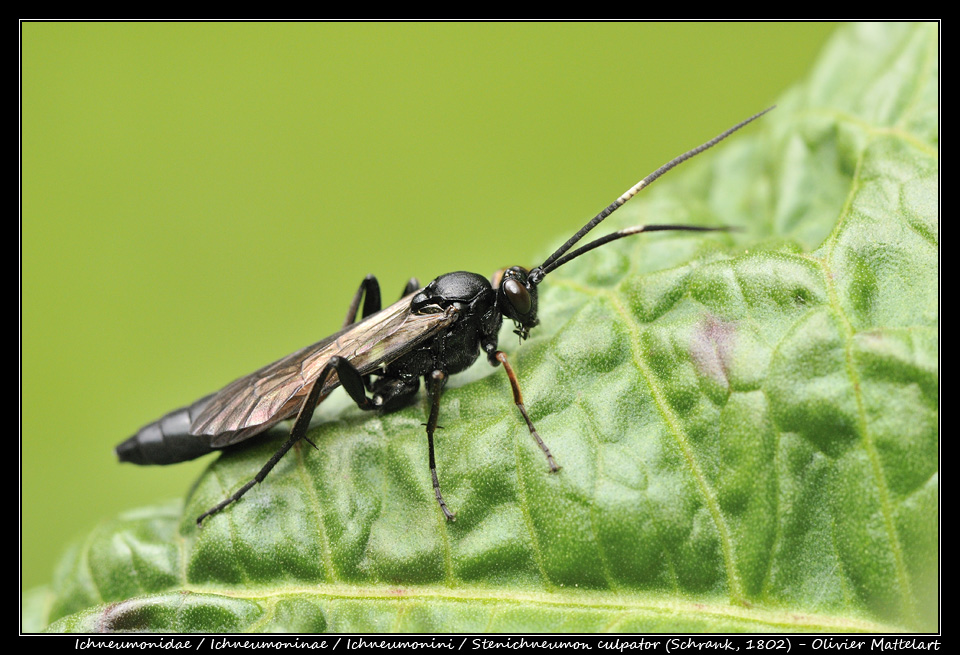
(517, 299)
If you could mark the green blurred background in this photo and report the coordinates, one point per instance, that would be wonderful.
(200, 199)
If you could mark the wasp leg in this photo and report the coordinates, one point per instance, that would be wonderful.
(412, 285)
(350, 379)
(393, 393)
(370, 288)
(371, 304)
(435, 387)
(296, 434)
(501, 357)
(352, 382)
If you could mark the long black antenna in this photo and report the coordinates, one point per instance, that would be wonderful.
(619, 234)
(537, 274)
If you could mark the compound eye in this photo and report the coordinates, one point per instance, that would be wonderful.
(517, 295)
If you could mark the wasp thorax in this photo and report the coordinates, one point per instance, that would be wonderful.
(461, 288)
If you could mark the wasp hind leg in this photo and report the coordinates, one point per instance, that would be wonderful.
(351, 380)
(412, 285)
(369, 292)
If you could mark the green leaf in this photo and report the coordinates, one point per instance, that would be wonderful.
(747, 423)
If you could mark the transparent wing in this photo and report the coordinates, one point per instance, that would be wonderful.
(255, 402)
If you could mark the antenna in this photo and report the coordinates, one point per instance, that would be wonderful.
(558, 259)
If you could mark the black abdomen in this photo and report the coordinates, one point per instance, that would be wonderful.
(168, 440)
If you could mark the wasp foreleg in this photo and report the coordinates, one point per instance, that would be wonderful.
(501, 357)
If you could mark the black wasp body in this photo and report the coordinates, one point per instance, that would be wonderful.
(430, 334)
